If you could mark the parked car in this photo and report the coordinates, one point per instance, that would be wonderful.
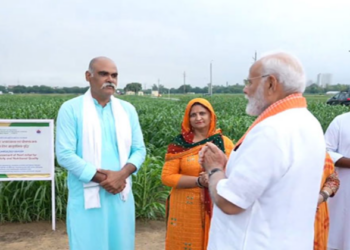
(342, 98)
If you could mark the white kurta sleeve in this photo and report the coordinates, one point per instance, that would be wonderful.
(332, 140)
(255, 168)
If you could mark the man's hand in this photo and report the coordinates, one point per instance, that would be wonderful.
(211, 157)
(115, 181)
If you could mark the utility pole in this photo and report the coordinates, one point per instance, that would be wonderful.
(184, 82)
(211, 79)
(255, 56)
(158, 87)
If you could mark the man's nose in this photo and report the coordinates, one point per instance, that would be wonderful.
(245, 90)
(109, 78)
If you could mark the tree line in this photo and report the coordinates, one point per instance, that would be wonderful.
(42, 89)
(183, 89)
(228, 89)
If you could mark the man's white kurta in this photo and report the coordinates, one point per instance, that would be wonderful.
(275, 176)
(338, 145)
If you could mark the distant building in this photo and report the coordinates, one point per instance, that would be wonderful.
(324, 79)
(140, 93)
(155, 93)
(0, 92)
(130, 93)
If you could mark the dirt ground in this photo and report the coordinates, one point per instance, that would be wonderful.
(39, 236)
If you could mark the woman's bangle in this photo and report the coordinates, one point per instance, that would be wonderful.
(199, 184)
(325, 195)
(329, 195)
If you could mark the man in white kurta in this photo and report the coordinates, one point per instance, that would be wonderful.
(99, 141)
(338, 145)
(266, 199)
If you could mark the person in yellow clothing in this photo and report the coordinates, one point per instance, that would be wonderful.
(189, 206)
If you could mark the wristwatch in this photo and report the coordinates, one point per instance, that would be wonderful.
(214, 170)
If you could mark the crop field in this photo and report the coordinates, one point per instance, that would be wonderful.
(160, 121)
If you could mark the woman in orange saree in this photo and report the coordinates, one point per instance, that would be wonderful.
(189, 205)
(329, 186)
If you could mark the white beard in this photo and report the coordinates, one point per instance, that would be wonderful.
(256, 104)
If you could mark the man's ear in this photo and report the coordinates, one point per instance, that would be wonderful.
(88, 75)
(272, 84)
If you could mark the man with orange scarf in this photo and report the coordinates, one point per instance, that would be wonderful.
(189, 206)
(267, 196)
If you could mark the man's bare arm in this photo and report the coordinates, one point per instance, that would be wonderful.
(99, 177)
(343, 162)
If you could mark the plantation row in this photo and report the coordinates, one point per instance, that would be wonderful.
(160, 120)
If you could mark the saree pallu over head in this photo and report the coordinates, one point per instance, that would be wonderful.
(183, 145)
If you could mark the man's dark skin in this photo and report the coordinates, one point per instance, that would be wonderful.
(343, 162)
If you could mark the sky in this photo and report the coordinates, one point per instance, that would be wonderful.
(50, 42)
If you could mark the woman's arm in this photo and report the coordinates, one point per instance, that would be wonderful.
(171, 176)
(330, 187)
(332, 184)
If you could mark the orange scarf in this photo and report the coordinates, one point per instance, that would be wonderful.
(178, 150)
(291, 101)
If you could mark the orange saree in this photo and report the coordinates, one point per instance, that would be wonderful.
(189, 210)
(329, 179)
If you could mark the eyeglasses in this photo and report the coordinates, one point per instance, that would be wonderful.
(248, 82)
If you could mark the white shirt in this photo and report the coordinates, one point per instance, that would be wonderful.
(275, 176)
(338, 145)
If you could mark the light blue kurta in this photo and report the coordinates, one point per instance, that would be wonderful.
(111, 227)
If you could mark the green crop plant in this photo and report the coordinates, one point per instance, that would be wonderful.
(160, 120)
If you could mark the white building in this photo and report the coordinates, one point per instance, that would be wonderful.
(324, 79)
(155, 93)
